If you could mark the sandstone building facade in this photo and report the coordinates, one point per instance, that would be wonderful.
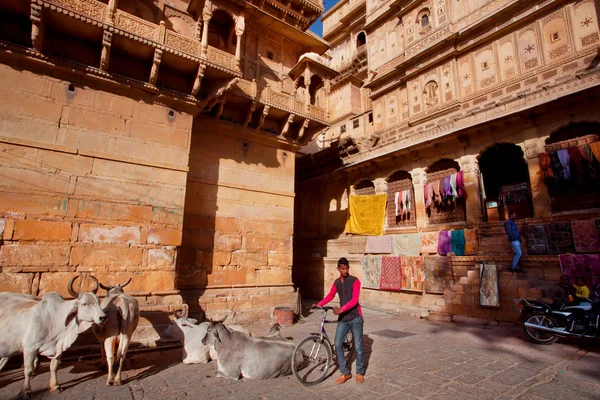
(156, 140)
(431, 88)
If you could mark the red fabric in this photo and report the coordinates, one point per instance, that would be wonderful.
(576, 158)
(391, 273)
(348, 305)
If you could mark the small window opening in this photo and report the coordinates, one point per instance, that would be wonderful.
(425, 21)
(343, 128)
(370, 118)
(269, 55)
(355, 123)
(71, 87)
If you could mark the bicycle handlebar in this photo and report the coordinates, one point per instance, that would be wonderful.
(325, 308)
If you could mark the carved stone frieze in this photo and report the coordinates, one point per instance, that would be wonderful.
(182, 43)
(136, 25)
(429, 41)
(89, 8)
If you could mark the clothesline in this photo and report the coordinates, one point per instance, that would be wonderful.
(445, 190)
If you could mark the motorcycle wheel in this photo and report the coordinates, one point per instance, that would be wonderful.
(538, 336)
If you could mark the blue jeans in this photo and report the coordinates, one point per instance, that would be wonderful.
(516, 246)
(356, 325)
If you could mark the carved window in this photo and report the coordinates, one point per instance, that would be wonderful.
(431, 92)
(424, 21)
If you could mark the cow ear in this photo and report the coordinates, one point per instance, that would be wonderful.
(193, 321)
(72, 314)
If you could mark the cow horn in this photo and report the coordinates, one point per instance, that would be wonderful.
(107, 288)
(126, 283)
(72, 291)
(96, 283)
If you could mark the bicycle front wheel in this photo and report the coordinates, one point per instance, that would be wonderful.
(311, 360)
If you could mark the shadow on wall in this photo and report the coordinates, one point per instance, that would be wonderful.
(223, 222)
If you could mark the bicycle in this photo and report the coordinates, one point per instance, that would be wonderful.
(317, 353)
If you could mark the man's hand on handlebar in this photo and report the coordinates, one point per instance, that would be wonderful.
(337, 310)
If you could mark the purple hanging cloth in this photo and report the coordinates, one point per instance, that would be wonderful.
(444, 243)
(565, 161)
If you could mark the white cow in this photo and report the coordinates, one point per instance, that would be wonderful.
(123, 314)
(191, 334)
(249, 357)
(47, 327)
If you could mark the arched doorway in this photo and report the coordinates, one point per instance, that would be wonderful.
(221, 33)
(445, 208)
(505, 182)
(572, 168)
(399, 185)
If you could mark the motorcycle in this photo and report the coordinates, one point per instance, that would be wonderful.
(545, 323)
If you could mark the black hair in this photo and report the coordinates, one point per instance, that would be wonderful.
(343, 261)
(581, 278)
(565, 276)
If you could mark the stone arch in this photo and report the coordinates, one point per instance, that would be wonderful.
(424, 20)
(364, 187)
(316, 83)
(361, 39)
(431, 91)
(574, 130)
(573, 177)
(445, 209)
(399, 182)
(505, 181)
(221, 29)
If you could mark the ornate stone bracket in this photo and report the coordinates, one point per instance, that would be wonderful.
(198, 80)
(418, 177)
(261, 121)
(106, 45)
(286, 127)
(215, 97)
(380, 185)
(155, 66)
(239, 31)
(37, 36)
(303, 129)
(220, 106)
(250, 112)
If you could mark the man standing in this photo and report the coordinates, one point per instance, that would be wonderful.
(514, 237)
(349, 318)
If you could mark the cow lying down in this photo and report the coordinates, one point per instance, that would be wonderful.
(250, 357)
(192, 334)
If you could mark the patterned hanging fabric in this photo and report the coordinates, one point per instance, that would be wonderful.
(565, 161)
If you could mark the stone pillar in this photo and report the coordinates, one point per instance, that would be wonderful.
(381, 188)
(239, 31)
(539, 191)
(37, 35)
(418, 181)
(110, 11)
(206, 16)
(470, 166)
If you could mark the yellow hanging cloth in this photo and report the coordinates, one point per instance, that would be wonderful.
(366, 215)
(596, 149)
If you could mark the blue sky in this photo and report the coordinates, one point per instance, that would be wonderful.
(317, 26)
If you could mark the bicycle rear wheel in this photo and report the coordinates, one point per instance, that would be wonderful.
(311, 360)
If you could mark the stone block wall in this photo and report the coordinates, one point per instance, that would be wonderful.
(236, 256)
(93, 180)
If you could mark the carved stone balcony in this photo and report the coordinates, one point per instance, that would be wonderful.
(93, 11)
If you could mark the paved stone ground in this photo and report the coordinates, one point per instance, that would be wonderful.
(440, 361)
